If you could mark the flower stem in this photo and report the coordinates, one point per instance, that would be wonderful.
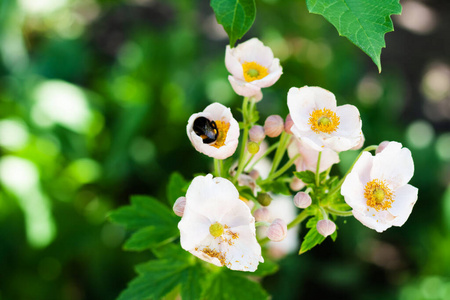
(217, 170)
(284, 141)
(338, 212)
(338, 187)
(262, 223)
(318, 168)
(282, 169)
(245, 116)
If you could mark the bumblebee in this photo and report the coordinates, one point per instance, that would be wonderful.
(206, 129)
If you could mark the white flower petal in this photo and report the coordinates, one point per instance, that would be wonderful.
(371, 221)
(405, 198)
(301, 104)
(269, 79)
(244, 88)
(233, 64)
(353, 191)
(393, 165)
(254, 50)
(350, 122)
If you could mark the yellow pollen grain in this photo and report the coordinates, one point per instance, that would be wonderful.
(372, 193)
(222, 128)
(323, 120)
(215, 254)
(254, 71)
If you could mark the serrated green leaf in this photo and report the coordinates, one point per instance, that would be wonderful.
(150, 237)
(156, 279)
(236, 16)
(363, 22)
(176, 187)
(307, 177)
(313, 237)
(155, 223)
(144, 211)
(229, 285)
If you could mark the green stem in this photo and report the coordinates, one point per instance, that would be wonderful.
(338, 187)
(318, 168)
(283, 169)
(300, 218)
(217, 167)
(339, 212)
(262, 223)
(284, 141)
(244, 139)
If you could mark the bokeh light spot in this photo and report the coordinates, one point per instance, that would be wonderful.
(443, 146)
(420, 134)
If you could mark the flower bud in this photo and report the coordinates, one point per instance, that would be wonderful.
(252, 147)
(302, 200)
(178, 206)
(254, 174)
(360, 144)
(297, 184)
(277, 230)
(256, 133)
(273, 126)
(326, 227)
(288, 124)
(262, 215)
(264, 199)
(381, 147)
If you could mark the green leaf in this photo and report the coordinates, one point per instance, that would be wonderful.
(176, 187)
(151, 237)
(155, 223)
(236, 16)
(157, 278)
(363, 22)
(278, 186)
(313, 237)
(229, 285)
(307, 177)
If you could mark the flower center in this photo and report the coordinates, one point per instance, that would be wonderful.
(378, 195)
(254, 71)
(222, 128)
(323, 120)
(216, 229)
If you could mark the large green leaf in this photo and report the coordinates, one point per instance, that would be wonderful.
(236, 16)
(155, 223)
(159, 277)
(176, 187)
(229, 285)
(364, 22)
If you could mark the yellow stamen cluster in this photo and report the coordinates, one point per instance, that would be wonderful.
(254, 71)
(323, 120)
(222, 128)
(379, 196)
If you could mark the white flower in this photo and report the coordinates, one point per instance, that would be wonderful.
(218, 227)
(214, 131)
(320, 123)
(308, 156)
(252, 67)
(377, 188)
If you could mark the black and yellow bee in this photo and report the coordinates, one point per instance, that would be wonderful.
(206, 129)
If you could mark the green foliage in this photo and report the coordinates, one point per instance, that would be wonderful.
(229, 285)
(236, 16)
(307, 177)
(155, 223)
(363, 22)
(176, 187)
(278, 186)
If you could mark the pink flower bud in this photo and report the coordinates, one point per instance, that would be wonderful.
(277, 230)
(254, 174)
(178, 206)
(326, 227)
(257, 133)
(262, 215)
(288, 124)
(273, 126)
(360, 144)
(381, 147)
(297, 184)
(302, 200)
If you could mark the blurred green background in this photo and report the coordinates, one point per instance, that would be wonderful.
(94, 100)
